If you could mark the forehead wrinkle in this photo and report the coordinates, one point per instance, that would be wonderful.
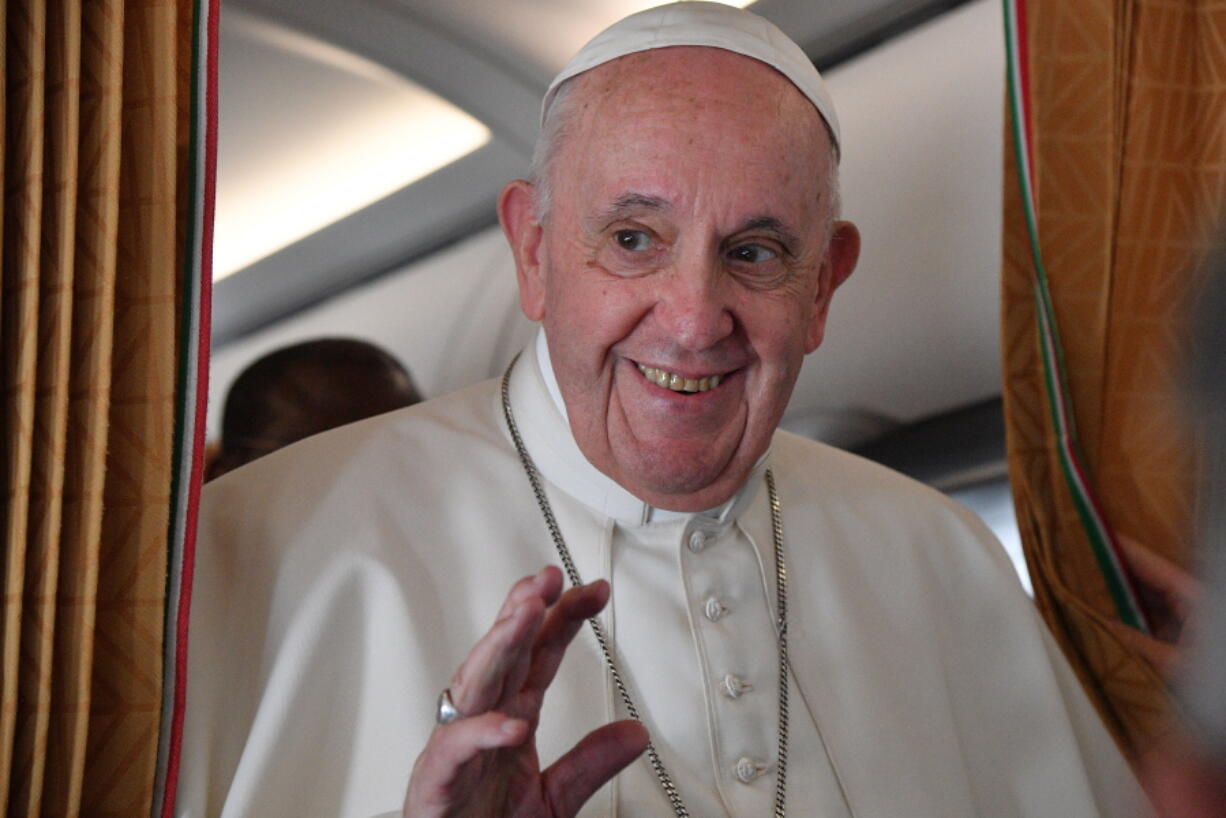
(648, 98)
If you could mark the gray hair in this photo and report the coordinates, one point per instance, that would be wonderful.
(559, 122)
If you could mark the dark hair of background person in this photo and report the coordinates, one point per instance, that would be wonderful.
(304, 389)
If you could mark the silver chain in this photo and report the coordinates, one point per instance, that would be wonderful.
(781, 596)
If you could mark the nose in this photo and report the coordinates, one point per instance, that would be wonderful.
(693, 305)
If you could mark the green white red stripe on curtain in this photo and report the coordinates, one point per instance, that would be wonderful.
(192, 387)
(1102, 541)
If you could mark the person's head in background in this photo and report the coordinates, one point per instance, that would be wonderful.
(304, 389)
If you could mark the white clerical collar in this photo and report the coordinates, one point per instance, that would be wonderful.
(551, 381)
(541, 416)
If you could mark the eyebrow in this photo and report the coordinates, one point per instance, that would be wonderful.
(628, 202)
(771, 225)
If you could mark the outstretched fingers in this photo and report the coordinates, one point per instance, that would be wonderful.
(546, 585)
(500, 688)
(599, 756)
(562, 622)
(498, 663)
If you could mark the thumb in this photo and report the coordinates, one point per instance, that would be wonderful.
(598, 756)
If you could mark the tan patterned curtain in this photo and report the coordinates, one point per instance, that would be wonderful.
(98, 249)
(1122, 104)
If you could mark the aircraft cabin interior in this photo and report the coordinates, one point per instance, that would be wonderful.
(362, 147)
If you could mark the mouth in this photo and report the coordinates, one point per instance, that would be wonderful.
(679, 383)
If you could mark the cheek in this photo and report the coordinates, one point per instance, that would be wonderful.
(598, 307)
(585, 321)
(562, 281)
(577, 304)
(778, 335)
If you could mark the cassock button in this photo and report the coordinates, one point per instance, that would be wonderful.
(714, 609)
(699, 541)
(746, 769)
(734, 686)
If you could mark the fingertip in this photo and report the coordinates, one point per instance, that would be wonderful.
(514, 729)
(505, 732)
(636, 733)
(589, 599)
(549, 583)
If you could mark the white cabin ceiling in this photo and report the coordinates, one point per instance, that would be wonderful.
(314, 133)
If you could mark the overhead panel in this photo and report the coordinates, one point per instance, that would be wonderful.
(312, 133)
(542, 34)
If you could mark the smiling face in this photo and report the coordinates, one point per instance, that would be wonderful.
(685, 267)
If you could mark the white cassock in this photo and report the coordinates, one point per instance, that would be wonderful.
(340, 582)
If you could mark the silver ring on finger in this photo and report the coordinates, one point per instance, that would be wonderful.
(447, 711)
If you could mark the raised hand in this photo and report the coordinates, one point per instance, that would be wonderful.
(486, 764)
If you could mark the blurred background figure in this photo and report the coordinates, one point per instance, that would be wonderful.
(1189, 779)
(304, 389)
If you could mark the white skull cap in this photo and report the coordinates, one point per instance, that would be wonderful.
(713, 25)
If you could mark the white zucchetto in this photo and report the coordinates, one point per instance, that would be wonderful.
(713, 25)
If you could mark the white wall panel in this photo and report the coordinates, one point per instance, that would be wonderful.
(915, 329)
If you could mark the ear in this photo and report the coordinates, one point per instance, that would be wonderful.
(837, 267)
(517, 214)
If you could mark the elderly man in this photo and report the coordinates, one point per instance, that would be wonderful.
(796, 630)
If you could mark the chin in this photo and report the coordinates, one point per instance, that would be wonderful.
(692, 487)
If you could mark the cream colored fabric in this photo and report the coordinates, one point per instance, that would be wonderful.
(340, 582)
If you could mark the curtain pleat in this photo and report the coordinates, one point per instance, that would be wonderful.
(51, 394)
(127, 687)
(96, 124)
(1127, 121)
(25, 36)
(89, 381)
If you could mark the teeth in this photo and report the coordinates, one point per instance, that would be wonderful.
(677, 383)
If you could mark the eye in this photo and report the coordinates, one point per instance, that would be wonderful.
(632, 240)
(752, 254)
